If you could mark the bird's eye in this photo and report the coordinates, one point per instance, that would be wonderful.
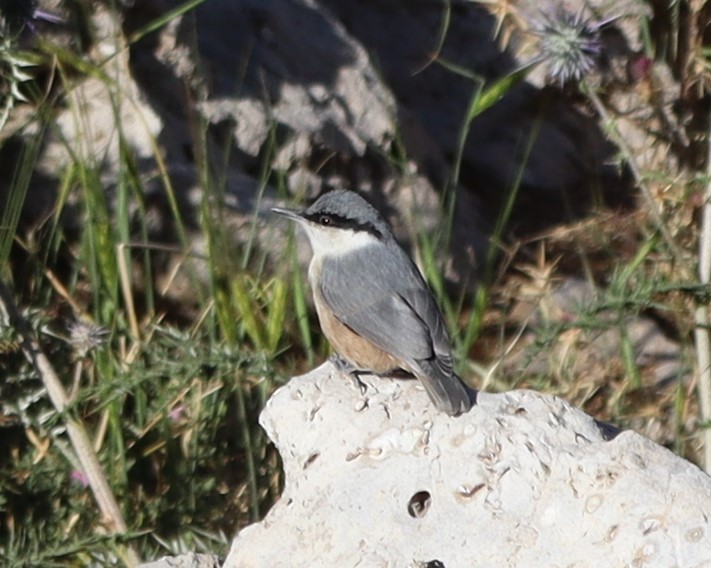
(325, 219)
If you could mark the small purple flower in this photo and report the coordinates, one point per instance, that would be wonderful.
(640, 68)
(24, 13)
(177, 413)
(86, 336)
(80, 478)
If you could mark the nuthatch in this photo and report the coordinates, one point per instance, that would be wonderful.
(372, 302)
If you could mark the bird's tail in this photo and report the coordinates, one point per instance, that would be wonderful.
(446, 390)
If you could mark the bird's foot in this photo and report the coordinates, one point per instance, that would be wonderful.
(342, 365)
(349, 370)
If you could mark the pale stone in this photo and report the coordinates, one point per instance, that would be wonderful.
(189, 560)
(104, 110)
(377, 477)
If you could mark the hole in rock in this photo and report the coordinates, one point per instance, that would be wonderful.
(418, 505)
(311, 459)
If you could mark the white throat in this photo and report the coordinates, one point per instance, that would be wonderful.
(331, 241)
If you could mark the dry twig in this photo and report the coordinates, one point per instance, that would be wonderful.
(701, 317)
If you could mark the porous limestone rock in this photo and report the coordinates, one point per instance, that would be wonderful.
(375, 476)
(188, 560)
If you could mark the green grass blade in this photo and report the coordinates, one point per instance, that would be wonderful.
(18, 192)
(164, 19)
(492, 94)
(276, 313)
(301, 306)
(242, 290)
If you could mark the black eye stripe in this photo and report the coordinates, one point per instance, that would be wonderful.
(329, 219)
(335, 220)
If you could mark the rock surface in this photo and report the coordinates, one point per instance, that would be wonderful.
(189, 560)
(376, 477)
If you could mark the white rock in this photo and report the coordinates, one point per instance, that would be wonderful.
(188, 560)
(382, 479)
(104, 110)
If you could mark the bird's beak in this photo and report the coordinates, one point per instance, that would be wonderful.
(288, 213)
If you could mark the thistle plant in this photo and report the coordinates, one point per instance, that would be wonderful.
(86, 336)
(13, 65)
(568, 43)
(15, 17)
(19, 14)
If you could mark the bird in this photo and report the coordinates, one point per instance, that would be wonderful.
(372, 302)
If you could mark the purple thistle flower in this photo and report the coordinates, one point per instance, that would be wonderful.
(177, 413)
(569, 43)
(79, 477)
(86, 336)
(24, 13)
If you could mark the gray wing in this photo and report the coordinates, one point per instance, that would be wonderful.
(388, 303)
(384, 299)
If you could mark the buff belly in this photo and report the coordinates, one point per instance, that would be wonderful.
(358, 351)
